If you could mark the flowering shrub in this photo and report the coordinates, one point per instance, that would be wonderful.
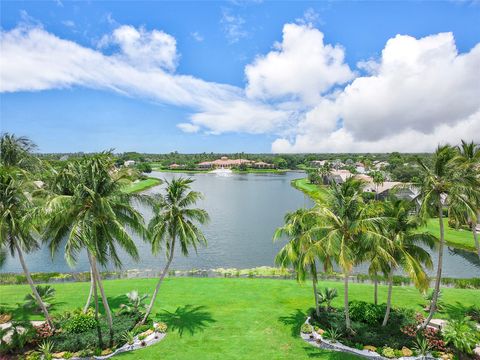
(43, 331)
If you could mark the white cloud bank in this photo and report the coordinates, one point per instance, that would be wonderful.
(418, 93)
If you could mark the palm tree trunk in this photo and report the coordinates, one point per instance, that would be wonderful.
(389, 298)
(436, 291)
(475, 235)
(345, 301)
(314, 283)
(160, 280)
(95, 299)
(375, 289)
(108, 312)
(32, 286)
(89, 299)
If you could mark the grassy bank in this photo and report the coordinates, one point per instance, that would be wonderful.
(230, 318)
(461, 239)
(141, 185)
(236, 171)
(316, 192)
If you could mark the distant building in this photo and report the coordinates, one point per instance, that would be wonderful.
(317, 163)
(262, 165)
(175, 166)
(129, 163)
(224, 163)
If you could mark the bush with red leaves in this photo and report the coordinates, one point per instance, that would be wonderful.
(43, 331)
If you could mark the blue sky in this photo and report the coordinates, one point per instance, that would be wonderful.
(330, 84)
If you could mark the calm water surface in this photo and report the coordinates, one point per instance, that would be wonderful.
(244, 210)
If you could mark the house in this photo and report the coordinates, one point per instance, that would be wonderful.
(340, 176)
(224, 163)
(129, 163)
(317, 163)
(379, 165)
(175, 166)
(262, 165)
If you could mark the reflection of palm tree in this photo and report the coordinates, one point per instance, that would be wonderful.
(443, 179)
(175, 220)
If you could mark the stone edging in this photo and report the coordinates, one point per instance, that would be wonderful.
(318, 341)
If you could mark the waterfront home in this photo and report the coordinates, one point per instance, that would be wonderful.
(317, 163)
(129, 163)
(224, 162)
(262, 165)
(175, 166)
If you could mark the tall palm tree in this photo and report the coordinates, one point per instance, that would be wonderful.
(17, 223)
(344, 223)
(406, 247)
(299, 252)
(16, 205)
(175, 220)
(468, 160)
(92, 213)
(443, 181)
(325, 172)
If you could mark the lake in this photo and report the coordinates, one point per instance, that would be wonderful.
(244, 210)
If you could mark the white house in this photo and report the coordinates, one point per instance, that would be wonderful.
(129, 163)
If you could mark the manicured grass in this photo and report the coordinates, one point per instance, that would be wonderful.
(316, 192)
(141, 185)
(260, 171)
(456, 238)
(218, 318)
(462, 239)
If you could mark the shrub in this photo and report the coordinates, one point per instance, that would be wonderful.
(140, 329)
(161, 327)
(462, 334)
(366, 312)
(128, 337)
(306, 329)
(43, 331)
(142, 337)
(46, 348)
(46, 293)
(388, 352)
(80, 323)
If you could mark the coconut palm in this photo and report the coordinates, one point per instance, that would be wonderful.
(407, 247)
(299, 251)
(378, 179)
(15, 151)
(93, 214)
(175, 221)
(17, 223)
(344, 224)
(468, 160)
(443, 181)
(326, 296)
(325, 172)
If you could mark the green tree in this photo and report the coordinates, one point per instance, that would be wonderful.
(378, 179)
(405, 245)
(344, 223)
(94, 215)
(444, 179)
(175, 220)
(17, 221)
(300, 252)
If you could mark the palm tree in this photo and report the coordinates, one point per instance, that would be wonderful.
(444, 180)
(406, 247)
(94, 215)
(378, 179)
(17, 223)
(16, 205)
(299, 252)
(468, 160)
(174, 220)
(325, 172)
(344, 224)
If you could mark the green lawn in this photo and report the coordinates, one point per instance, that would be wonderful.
(456, 238)
(462, 239)
(316, 192)
(141, 185)
(218, 318)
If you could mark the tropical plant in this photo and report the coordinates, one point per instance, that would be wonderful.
(175, 220)
(136, 303)
(344, 223)
(378, 179)
(88, 207)
(406, 245)
(46, 348)
(128, 337)
(462, 334)
(17, 221)
(299, 251)
(326, 296)
(421, 346)
(325, 171)
(46, 293)
(441, 184)
(333, 334)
